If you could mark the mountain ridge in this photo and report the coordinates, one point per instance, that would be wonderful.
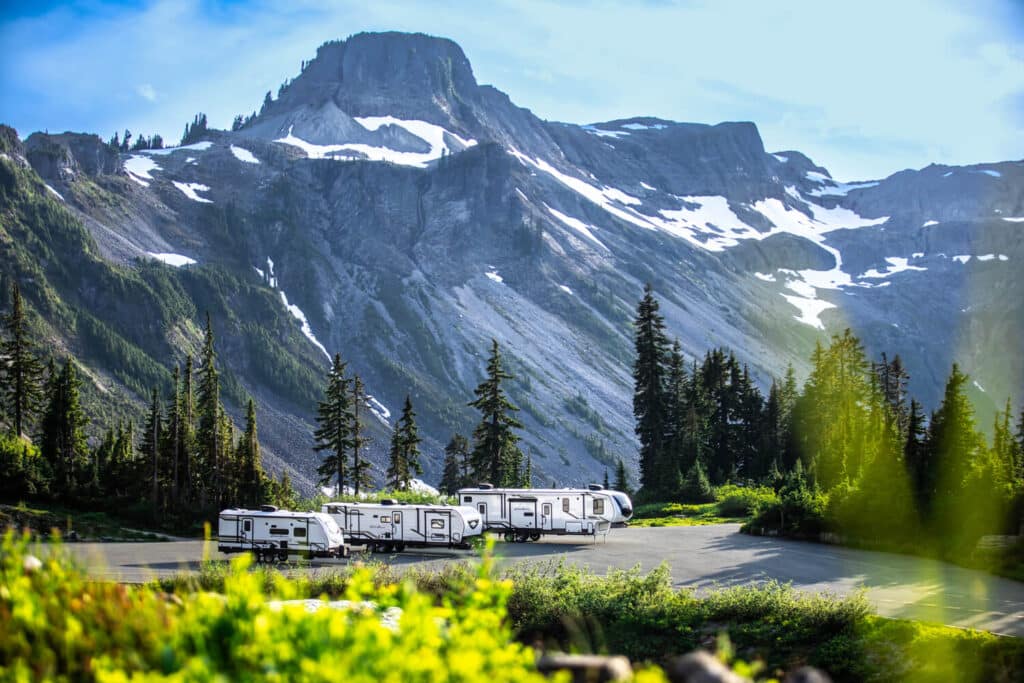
(406, 248)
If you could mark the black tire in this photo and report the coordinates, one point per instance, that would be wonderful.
(399, 547)
(509, 536)
(535, 536)
(259, 555)
(522, 537)
(282, 555)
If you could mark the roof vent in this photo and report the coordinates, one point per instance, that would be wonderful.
(388, 501)
(268, 508)
(596, 487)
(484, 486)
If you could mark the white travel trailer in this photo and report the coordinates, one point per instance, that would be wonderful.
(270, 533)
(391, 526)
(527, 514)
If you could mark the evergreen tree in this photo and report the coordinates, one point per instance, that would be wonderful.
(649, 405)
(605, 481)
(916, 456)
(186, 439)
(360, 466)
(621, 482)
(496, 453)
(250, 493)
(334, 431)
(696, 488)
(1004, 447)
(209, 434)
(20, 371)
(63, 443)
(170, 448)
(404, 458)
(527, 481)
(451, 480)
(676, 391)
(152, 437)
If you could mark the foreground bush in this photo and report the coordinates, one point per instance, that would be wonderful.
(54, 625)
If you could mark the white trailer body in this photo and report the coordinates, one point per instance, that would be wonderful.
(391, 526)
(528, 514)
(270, 533)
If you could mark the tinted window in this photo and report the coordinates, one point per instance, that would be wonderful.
(299, 532)
(482, 508)
(385, 519)
(467, 499)
(274, 531)
(565, 505)
(247, 525)
(398, 517)
(437, 524)
(599, 506)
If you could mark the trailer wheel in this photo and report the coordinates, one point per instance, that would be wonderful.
(259, 555)
(282, 555)
(509, 536)
(522, 537)
(399, 547)
(535, 536)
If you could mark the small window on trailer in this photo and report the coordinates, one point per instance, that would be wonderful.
(599, 506)
(565, 505)
(467, 499)
(247, 525)
(299, 532)
(437, 524)
(274, 531)
(385, 519)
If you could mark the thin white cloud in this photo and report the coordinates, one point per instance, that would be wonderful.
(146, 92)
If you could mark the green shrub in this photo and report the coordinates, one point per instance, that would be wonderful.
(743, 501)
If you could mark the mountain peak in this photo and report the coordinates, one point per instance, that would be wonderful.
(378, 74)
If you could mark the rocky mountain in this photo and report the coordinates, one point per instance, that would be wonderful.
(386, 206)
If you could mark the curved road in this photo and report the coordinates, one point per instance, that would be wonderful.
(700, 557)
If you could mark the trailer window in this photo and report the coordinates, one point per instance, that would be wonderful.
(565, 505)
(481, 508)
(247, 525)
(299, 532)
(599, 506)
(467, 499)
(397, 517)
(274, 531)
(437, 524)
(385, 519)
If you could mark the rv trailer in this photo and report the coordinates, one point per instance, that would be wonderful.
(527, 514)
(270, 533)
(391, 526)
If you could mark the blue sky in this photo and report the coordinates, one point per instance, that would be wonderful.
(865, 88)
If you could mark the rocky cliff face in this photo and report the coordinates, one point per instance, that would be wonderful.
(403, 215)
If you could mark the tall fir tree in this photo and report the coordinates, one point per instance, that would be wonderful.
(250, 490)
(621, 482)
(63, 443)
(404, 457)
(333, 435)
(209, 455)
(360, 465)
(1004, 446)
(152, 437)
(496, 453)
(451, 480)
(21, 372)
(649, 406)
(457, 469)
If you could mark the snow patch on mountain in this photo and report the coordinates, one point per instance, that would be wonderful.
(565, 289)
(577, 225)
(245, 155)
(176, 260)
(304, 323)
(644, 126)
(962, 258)
(989, 172)
(190, 189)
(1014, 219)
(195, 147)
(139, 168)
(897, 264)
(601, 133)
(430, 133)
(928, 224)
(493, 275)
(840, 189)
(379, 410)
(767, 277)
(780, 158)
(57, 194)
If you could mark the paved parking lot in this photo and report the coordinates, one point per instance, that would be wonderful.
(699, 557)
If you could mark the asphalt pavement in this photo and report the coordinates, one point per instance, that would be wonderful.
(699, 557)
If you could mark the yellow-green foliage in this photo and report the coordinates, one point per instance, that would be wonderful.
(56, 625)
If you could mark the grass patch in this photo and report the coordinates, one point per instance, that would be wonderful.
(732, 504)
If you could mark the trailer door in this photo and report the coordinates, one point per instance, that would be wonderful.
(546, 517)
(245, 530)
(397, 531)
(523, 514)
